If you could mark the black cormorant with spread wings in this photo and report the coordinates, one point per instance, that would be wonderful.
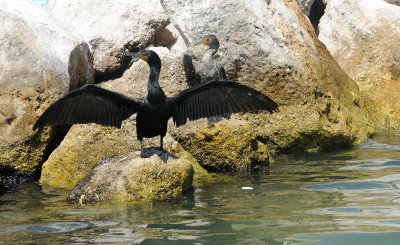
(93, 104)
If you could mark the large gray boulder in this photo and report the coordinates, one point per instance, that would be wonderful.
(272, 47)
(129, 177)
(364, 36)
(111, 27)
(41, 59)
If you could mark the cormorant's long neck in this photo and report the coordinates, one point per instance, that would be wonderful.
(155, 93)
(153, 78)
(209, 53)
(213, 48)
(212, 51)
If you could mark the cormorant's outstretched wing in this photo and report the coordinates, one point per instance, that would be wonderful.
(218, 98)
(90, 104)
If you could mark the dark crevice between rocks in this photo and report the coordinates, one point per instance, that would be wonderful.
(164, 38)
(57, 136)
(395, 2)
(11, 176)
(126, 64)
(316, 12)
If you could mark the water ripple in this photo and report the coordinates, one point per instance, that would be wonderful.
(373, 164)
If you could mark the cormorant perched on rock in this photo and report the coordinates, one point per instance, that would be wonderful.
(92, 104)
(208, 67)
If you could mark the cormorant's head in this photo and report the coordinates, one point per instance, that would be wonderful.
(209, 40)
(149, 56)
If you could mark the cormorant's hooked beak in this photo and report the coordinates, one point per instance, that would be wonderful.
(205, 41)
(139, 55)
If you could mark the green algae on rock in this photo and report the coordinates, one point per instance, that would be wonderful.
(129, 177)
(224, 146)
(81, 149)
(371, 29)
(20, 161)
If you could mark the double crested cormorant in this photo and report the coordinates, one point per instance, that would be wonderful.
(92, 104)
(208, 66)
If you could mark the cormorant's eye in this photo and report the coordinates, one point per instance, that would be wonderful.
(206, 41)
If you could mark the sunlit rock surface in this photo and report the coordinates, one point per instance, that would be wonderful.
(273, 48)
(41, 58)
(364, 36)
(113, 26)
(129, 177)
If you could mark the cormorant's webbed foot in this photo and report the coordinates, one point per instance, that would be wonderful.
(163, 154)
(216, 119)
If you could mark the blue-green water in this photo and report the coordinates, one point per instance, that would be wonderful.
(339, 197)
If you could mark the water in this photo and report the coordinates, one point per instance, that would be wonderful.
(339, 197)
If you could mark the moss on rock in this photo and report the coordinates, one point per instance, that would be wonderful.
(81, 149)
(129, 177)
(224, 146)
(21, 161)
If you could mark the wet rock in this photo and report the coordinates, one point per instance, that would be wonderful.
(364, 37)
(41, 59)
(111, 27)
(275, 50)
(129, 177)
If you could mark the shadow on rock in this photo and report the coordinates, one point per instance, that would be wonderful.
(161, 153)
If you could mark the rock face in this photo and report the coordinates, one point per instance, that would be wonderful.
(41, 59)
(364, 37)
(274, 49)
(113, 26)
(219, 151)
(129, 177)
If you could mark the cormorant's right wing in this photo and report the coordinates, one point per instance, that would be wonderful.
(218, 98)
(90, 104)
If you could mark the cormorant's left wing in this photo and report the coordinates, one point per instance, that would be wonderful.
(218, 98)
(90, 104)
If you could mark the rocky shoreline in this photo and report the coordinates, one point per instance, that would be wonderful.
(334, 88)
